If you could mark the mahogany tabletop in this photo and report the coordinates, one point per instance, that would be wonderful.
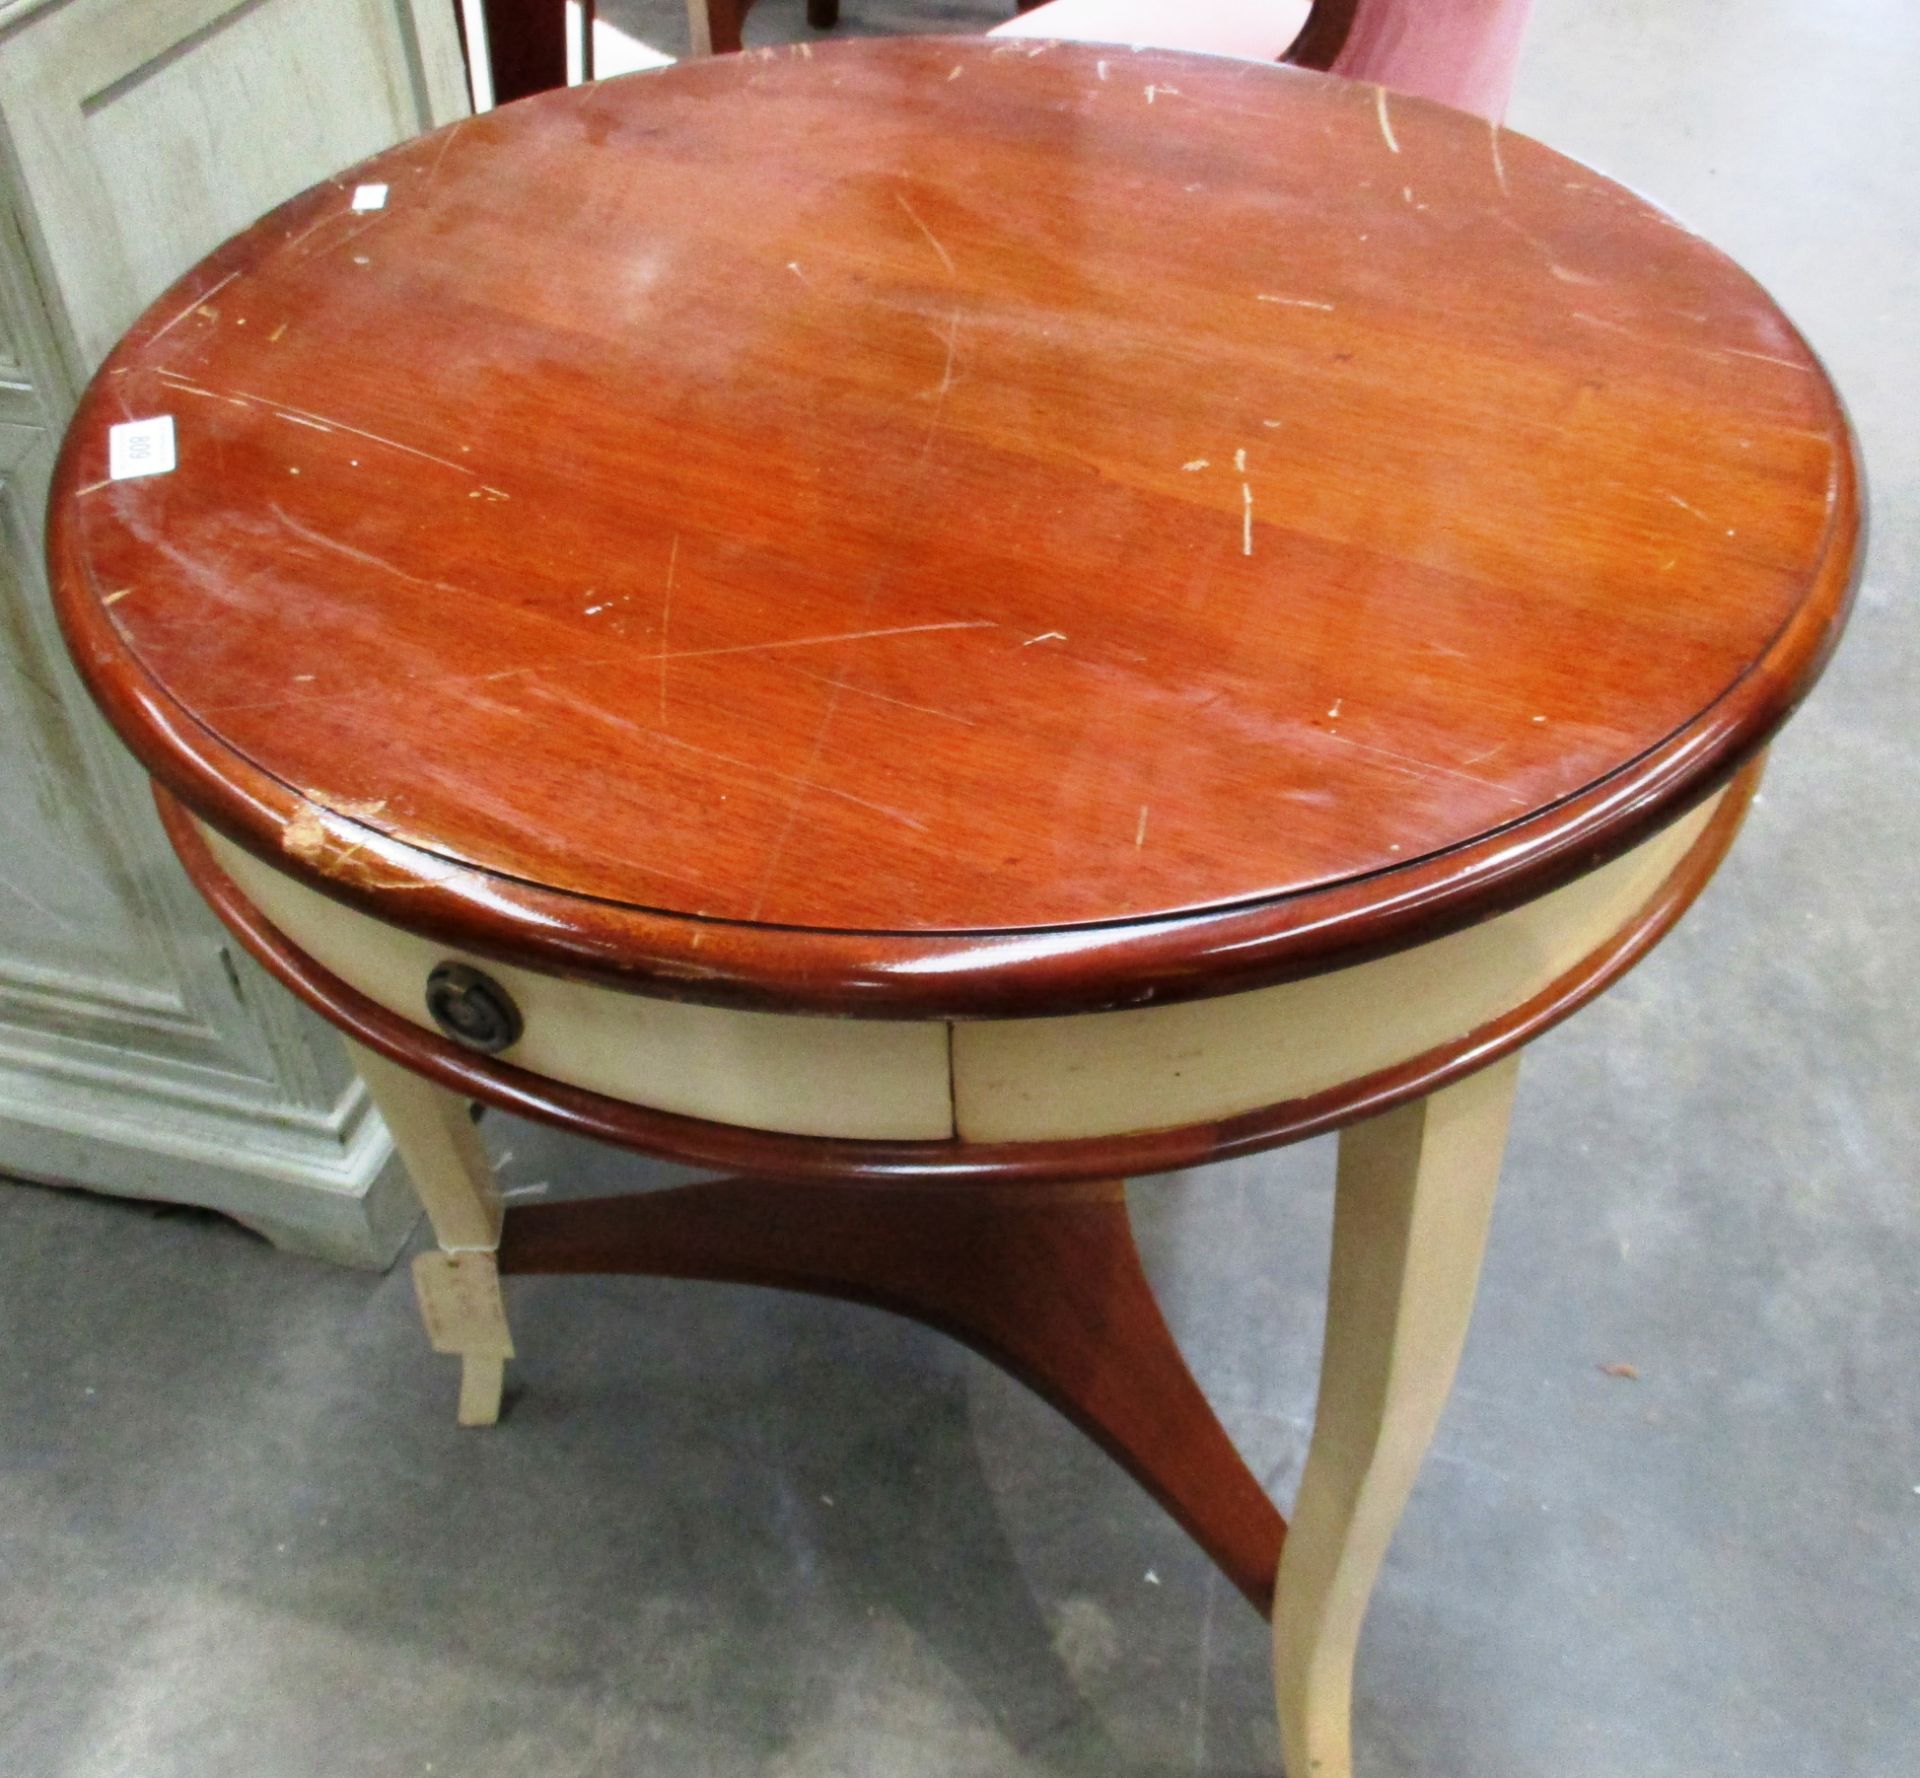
(946, 525)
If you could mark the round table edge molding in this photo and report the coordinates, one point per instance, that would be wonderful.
(953, 1161)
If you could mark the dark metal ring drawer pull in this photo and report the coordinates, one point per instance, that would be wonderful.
(472, 1008)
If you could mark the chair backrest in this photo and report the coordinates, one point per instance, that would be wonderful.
(1461, 52)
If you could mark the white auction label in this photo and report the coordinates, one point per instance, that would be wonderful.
(369, 197)
(140, 447)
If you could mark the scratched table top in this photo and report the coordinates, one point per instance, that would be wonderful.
(935, 487)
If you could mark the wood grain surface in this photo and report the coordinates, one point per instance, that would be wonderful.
(940, 526)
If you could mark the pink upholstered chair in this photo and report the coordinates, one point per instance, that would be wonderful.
(1461, 52)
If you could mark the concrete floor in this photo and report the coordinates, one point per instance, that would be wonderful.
(725, 1532)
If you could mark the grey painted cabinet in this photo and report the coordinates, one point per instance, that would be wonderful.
(141, 1052)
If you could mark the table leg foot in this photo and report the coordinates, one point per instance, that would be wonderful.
(1415, 1194)
(461, 1305)
(482, 1381)
(458, 1287)
(1045, 1281)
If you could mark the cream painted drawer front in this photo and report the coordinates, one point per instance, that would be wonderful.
(1156, 1068)
(1006, 1080)
(868, 1078)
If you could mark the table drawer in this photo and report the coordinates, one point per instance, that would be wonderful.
(997, 1081)
(862, 1078)
(1163, 1067)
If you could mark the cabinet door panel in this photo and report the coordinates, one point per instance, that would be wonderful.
(150, 130)
(70, 904)
(138, 1052)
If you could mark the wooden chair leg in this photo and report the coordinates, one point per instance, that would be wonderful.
(525, 46)
(458, 1287)
(714, 26)
(1415, 1194)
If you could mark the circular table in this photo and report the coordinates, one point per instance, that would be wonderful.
(937, 623)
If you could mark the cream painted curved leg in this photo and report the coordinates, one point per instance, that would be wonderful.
(458, 1287)
(1411, 1210)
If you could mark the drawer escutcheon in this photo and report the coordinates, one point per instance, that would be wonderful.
(472, 1008)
